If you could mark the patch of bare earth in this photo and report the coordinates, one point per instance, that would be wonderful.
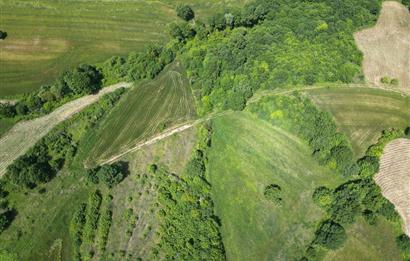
(386, 47)
(25, 134)
(394, 177)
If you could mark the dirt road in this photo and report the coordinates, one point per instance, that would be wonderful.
(25, 134)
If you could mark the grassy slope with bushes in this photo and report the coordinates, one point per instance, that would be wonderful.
(246, 155)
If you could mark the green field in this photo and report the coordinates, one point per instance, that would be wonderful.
(48, 37)
(248, 154)
(362, 113)
(148, 109)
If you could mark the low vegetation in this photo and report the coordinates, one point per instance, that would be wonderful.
(189, 228)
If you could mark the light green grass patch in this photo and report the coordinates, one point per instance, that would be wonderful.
(247, 154)
(146, 110)
(362, 113)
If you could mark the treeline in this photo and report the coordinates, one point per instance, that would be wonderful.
(189, 229)
(90, 225)
(42, 162)
(359, 196)
(300, 116)
(272, 44)
(85, 79)
(89, 79)
(6, 213)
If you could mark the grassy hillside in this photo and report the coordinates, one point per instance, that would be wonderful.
(362, 113)
(367, 243)
(247, 155)
(47, 37)
(41, 228)
(147, 109)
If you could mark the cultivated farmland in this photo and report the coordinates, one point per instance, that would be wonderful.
(25, 134)
(247, 154)
(362, 113)
(148, 109)
(394, 177)
(47, 37)
(386, 47)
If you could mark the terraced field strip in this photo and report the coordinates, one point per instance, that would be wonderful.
(147, 110)
(25, 134)
(386, 47)
(394, 178)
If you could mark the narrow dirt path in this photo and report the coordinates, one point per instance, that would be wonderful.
(25, 134)
(165, 134)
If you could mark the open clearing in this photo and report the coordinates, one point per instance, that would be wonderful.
(362, 113)
(48, 37)
(248, 154)
(394, 177)
(145, 111)
(386, 46)
(25, 134)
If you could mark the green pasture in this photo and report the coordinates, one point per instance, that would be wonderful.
(48, 37)
(362, 113)
(248, 154)
(148, 109)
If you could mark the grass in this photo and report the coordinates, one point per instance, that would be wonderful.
(146, 110)
(368, 243)
(48, 37)
(6, 124)
(362, 113)
(248, 154)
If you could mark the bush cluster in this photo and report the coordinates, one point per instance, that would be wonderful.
(108, 174)
(189, 228)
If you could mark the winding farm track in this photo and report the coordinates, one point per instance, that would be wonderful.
(25, 134)
(394, 177)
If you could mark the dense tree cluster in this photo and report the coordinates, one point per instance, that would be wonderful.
(300, 116)
(108, 174)
(6, 214)
(330, 235)
(189, 228)
(42, 162)
(273, 44)
(138, 65)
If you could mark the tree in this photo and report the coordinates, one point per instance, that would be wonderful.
(3, 35)
(185, 12)
(330, 235)
(7, 110)
(403, 242)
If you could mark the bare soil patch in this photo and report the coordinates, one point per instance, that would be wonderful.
(386, 47)
(394, 177)
(25, 134)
